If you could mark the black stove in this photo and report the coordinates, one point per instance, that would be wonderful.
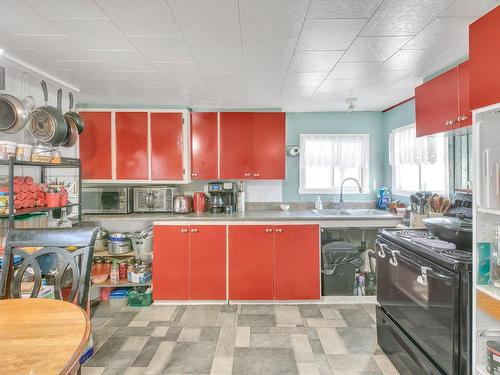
(423, 243)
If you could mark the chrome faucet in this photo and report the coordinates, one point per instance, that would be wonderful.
(341, 200)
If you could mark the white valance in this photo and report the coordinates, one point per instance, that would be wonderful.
(406, 149)
(339, 150)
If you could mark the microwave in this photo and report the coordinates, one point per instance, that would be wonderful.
(154, 199)
(107, 200)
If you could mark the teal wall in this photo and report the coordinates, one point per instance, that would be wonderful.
(395, 118)
(341, 123)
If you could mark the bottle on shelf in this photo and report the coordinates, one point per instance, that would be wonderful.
(495, 259)
(115, 273)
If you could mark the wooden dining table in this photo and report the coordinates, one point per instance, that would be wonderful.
(41, 336)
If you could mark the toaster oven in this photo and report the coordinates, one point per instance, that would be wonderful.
(154, 199)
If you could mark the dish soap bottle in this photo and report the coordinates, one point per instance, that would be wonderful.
(318, 205)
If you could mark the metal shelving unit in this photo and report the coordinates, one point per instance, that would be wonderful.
(65, 163)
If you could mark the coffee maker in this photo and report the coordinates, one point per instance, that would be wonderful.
(222, 196)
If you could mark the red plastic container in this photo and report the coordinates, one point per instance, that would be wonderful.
(53, 199)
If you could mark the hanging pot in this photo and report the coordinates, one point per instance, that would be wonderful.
(47, 123)
(14, 113)
(77, 119)
(72, 124)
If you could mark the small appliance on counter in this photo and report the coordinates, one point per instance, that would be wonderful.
(183, 204)
(107, 200)
(154, 198)
(222, 196)
(199, 202)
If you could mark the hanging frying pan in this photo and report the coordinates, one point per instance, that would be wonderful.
(75, 116)
(14, 113)
(47, 123)
(72, 131)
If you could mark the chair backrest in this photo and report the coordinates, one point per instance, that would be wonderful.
(49, 252)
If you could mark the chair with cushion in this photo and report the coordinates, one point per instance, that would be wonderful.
(62, 256)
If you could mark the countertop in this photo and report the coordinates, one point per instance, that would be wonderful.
(248, 216)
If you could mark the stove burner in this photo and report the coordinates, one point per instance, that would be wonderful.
(458, 254)
(411, 234)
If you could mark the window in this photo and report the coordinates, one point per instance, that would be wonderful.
(418, 163)
(327, 159)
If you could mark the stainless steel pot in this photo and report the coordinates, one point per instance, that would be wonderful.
(77, 119)
(47, 123)
(451, 229)
(119, 243)
(142, 243)
(101, 241)
(14, 113)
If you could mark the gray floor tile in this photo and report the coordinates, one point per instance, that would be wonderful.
(133, 331)
(106, 352)
(258, 361)
(200, 316)
(352, 362)
(257, 309)
(191, 358)
(310, 311)
(270, 341)
(121, 319)
(209, 334)
(173, 333)
(356, 317)
(147, 352)
(256, 320)
(359, 340)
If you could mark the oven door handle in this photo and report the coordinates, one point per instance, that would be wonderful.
(425, 271)
(381, 247)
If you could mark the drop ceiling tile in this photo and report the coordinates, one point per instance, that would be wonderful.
(211, 34)
(441, 34)
(343, 8)
(219, 81)
(403, 17)
(204, 8)
(296, 93)
(410, 81)
(329, 34)
(378, 48)
(219, 61)
(147, 18)
(407, 59)
(469, 8)
(305, 79)
(187, 71)
(162, 49)
(353, 70)
(337, 85)
(314, 61)
(17, 17)
(324, 98)
(66, 9)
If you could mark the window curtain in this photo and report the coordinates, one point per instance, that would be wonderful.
(406, 149)
(343, 151)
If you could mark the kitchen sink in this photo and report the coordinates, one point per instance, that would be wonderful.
(330, 212)
(363, 212)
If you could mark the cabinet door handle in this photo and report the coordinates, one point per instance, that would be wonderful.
(184, 230)
(269, 230)
(279, 230)
(248, 174)
(194, 230)
(462, 118)
(194, 174)
(256, 174)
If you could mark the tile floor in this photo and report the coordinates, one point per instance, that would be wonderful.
(236, 339)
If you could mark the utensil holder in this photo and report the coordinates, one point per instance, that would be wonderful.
(416, 221)
(53, 199)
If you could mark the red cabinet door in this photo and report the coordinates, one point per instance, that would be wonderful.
(235, 145)
(131, 145)
(171, 262)
(204, 146)
(268, 145)
(464, 113)
(296, 262)
(95, 146)
(484, 59)
(166, 146)
(436, 104)
(207, 270)
(251, 262)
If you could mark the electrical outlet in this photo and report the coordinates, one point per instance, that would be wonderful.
(2, 78)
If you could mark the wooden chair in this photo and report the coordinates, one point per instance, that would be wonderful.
(54, 256)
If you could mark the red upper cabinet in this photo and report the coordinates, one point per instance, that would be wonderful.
(131, 145)
(207, 262)
(296, 262)
(95, 146)
(171, 262)
(268, 145)
(166, 146)
(252, 145)
(484, 57)
(204, 146)
(236, 145)
(251, 262)
(464, 113)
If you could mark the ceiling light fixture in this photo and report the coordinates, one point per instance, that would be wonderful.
(41, 72)
(350, 104)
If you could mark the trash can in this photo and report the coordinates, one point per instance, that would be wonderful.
(339, 261)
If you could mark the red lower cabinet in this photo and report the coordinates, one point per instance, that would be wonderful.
(171, 262)
(207, 262)
(296, 262)
(251, 261)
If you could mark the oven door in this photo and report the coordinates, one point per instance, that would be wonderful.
(105, 200)
(423, 299)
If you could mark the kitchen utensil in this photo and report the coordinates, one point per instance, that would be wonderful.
(451, 229)
(101, 241)
(199, 202)
(47, 123)
(14, 113)
(216, 203)
(142, 244)
(72, 123)
(77, 119)
(119, 243)
(183, 204)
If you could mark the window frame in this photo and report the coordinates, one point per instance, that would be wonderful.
(446, 164)
(365, 172)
